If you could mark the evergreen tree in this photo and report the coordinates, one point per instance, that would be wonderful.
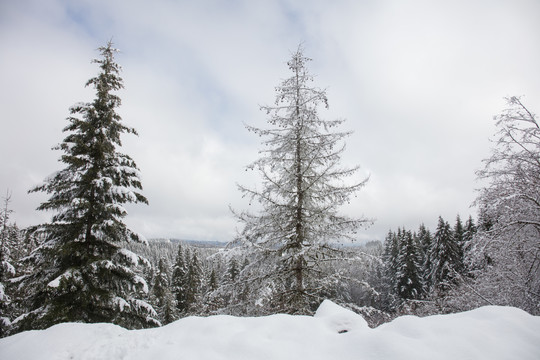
(8, 235)
(161, 293)
(409, 269)
(470, 230)
(20, 245)
(425, 239)
(178, 281)
(218, 289)
(444, 255)
(390, 268)
(212, 280)
(6, 267)
(303, 186)
(459, 238)
(193, 282)
(468, 235)
(82, 272)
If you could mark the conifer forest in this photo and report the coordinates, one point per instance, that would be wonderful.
(295, 245)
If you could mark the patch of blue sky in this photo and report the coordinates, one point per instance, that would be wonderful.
(82, 16)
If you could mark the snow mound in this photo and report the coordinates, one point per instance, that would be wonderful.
(486, 333)
(339, 319)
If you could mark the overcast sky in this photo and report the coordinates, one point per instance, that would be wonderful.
(418, 82)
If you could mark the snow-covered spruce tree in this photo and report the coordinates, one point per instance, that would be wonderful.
(82, 273)
(409, 269)
(424, 239)
(390, 266)
(506, 249)
(444, 257)
(8, 235)
(212, 281)
(193, 283)
(459, 238)
(20, 244)
(162, 298)
(303, 185)
(468, 236)
(6, 267)
(178, 280)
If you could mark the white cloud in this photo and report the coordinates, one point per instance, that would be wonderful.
(418, 82)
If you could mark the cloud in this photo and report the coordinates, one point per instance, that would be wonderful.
(418, 81)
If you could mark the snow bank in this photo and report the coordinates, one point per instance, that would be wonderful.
(339, 319)
(485, 333)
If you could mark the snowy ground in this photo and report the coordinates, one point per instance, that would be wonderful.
(485, 333)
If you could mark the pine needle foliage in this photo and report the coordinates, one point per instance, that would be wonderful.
(82, 272)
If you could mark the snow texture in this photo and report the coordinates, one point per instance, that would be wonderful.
(140, 280)
(485, 333)
(8, 268)
(130, 256)
(56, 282)
(120, 303)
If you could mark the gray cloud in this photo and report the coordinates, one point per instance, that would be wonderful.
(418, 82)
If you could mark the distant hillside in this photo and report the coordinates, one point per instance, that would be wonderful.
(222, 244)
(195, 243)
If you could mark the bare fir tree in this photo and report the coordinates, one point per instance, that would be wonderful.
(292, 240)
(505, 252)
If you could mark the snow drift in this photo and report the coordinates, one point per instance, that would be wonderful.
(333, 333)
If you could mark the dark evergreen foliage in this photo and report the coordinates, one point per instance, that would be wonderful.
(459, 239)
(9, 239)
(468, 235)
(390, 260)
(162, 298)
(409, 269)
(444, 256)
(424, 239)
(81, 271)
(193, 283)
(212, 280)
(178, 281)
